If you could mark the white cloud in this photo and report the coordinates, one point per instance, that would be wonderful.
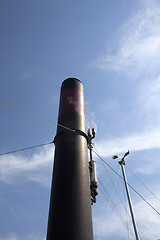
(147, 101)
(138, 47)
(13, 237)
(111, 229)
(136, 142)
(90, 120)
(109, 106)
(54, 99)
(107, 224)
(145, 142)
(35, 168)
(147, 219)
(9, 238)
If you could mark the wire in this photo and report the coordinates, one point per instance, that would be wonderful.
(35, 115)
(112, 204)
(125, 204)
(23, 149)
(113, 185)
(127, 183)
(143, 184)
(109, 201)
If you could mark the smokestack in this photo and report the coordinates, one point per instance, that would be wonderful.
(70, 204)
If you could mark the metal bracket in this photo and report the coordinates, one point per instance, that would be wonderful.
(92, 168)
(76, 132)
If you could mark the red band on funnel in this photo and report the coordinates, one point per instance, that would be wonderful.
(72, 100)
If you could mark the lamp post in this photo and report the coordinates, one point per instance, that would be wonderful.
(122, 163)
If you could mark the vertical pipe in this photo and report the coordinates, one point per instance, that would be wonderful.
(70, 205)
(130, 204)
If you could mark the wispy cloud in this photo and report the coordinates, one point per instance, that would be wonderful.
(35, 168)
(136, 142)
(147, 101)
(90, 120)
(13, 237)
(138, 45)
(10, 238)
(107, 224)
(145, 216)
(146, 142)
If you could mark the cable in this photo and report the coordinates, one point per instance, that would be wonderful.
(126, 217)
(35, 115)
(23, 149)
(143, 184)
(112, 204)
(125, 200)
(113, 185)
(127, 183)
(109, 201)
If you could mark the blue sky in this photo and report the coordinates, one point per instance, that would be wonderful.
(113, 47)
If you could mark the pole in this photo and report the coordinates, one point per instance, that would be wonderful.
(122, 163)
(70, 204)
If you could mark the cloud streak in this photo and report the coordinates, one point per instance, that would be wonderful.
(36, 168)
(14, 237)
(136, 142)
(147, 101)
(144, 217)
(9, 238)
(138, 48)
